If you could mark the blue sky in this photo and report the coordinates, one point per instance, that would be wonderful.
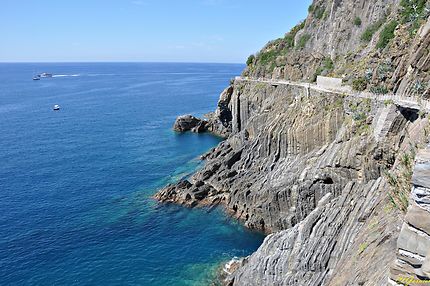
(142, 30)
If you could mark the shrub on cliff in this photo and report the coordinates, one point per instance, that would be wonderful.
(250, 60)
(301, 43)
(290, 36)
(357, 21)
(267, 57)
(359, 84)
(387, 34)
(379, 89)
(371, 30)
(325, 67)
(318, 12)
(414, 11)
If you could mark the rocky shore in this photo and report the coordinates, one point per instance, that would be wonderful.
(326, 175)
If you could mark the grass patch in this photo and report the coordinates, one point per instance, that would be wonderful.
(371, 30)
(319, 12)
(301, 43)
(327, 65)
(290, 36)
(380, 89)
(359, 84)
(388, 102)
(357, 21)
(414, 12)
(400, 181)
(359, 114)
(387, 34)
(267, 57)
(362, 247)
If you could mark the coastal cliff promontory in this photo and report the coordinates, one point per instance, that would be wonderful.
(327, 172)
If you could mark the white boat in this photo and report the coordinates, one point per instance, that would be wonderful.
(45, 74)
(56, 107)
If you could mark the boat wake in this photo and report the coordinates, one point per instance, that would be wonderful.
(66, 75)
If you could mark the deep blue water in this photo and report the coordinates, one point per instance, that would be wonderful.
(76, 185)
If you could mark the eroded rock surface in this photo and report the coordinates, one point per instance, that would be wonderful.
(318, 170)
(413, 245)
(188, 123)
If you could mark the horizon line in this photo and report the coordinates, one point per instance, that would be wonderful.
(125, 62)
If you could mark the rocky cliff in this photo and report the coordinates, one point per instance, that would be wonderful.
(327, 175)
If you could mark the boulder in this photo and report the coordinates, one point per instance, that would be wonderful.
(187, 122)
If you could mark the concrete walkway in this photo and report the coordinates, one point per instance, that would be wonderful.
(404, 101)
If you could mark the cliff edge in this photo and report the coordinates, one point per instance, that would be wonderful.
(327, 173)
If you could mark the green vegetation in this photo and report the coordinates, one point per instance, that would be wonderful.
(413, 11)
(371, 30)
(384, 70)
(380, 89)
(387, 34)
(400, 181)
(327, 65)
(260, 86)
(359, 113)
(267, 57)
(289, 37)
(274, 53)
(318, 12)
(301, 43)
(357, 21)
(359, 84)
(250, 60)
(388, 102)
(362, 247)
(419, 87)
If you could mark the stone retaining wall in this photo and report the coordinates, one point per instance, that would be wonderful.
(329, 82)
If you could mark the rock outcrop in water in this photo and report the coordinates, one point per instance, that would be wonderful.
(218, 122)
(189, 123)
(327, 175)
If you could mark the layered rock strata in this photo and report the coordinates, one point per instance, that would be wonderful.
(413, 246)
(321, 172)
(218, 122)
(311, 165)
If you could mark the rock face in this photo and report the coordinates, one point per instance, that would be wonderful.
(324, 174)
(413, 245)
(188, 122)
(342, 38)
(310, 165)
(218, 122)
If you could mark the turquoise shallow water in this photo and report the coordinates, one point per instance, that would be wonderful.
(75, 185)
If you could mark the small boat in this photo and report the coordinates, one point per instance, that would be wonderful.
(36, 77)
(45, 74)
(56, 107)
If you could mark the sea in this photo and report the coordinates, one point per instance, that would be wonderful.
(76, 185)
